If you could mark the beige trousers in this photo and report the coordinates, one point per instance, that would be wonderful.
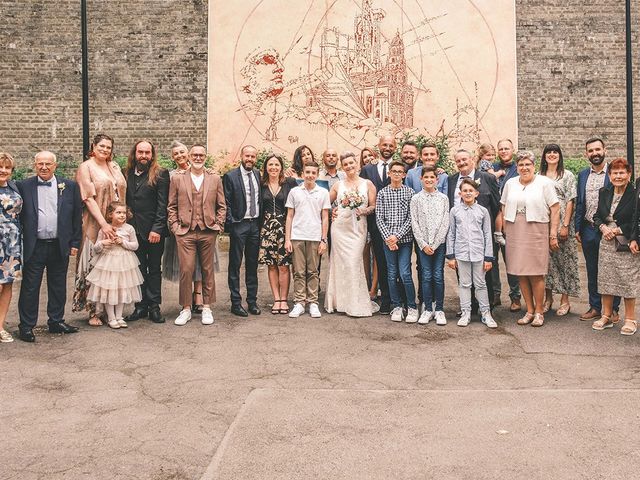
(306, 278)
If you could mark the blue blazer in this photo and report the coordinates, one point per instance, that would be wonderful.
(69, 215)
(236, 197)
(581, 201)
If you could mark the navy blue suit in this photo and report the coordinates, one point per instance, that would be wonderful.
(52, 255)
(370, 172)
(244, 236)
(590, 239)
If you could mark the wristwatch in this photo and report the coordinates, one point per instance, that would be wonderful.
(323, 240)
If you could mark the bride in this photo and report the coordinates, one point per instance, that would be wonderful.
(347, 289)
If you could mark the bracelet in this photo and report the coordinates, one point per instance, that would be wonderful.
(552, 237)
(565, 226)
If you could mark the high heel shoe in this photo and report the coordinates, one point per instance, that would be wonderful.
(274, 310)
(563, 309)
(548, 303)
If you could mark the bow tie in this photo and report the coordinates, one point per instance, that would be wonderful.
(44, 184)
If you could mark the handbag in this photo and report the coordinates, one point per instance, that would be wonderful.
(622, 243)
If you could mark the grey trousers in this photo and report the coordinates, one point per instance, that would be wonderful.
(472, 273)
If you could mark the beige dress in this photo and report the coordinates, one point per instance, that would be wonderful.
(105, 187)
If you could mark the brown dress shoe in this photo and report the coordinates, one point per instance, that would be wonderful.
(515, 306)
(590, 314)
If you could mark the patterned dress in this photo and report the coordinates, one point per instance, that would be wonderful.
(10, 235)
(272, 251)
(563, 263)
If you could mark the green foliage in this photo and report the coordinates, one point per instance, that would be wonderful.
(575, 164)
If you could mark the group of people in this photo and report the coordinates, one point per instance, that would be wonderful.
(131, 229)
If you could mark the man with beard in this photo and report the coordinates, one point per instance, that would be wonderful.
(590, 181)
(409, 155)
(147, 194)
(504, 169)
(378, 174)
(243, 195)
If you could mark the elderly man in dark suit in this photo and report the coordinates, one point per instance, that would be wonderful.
(51, 228)
(147, 194)
(243, 195)
(378, 174)
(489, 198)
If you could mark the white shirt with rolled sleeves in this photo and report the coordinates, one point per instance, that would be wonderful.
(308, 206)
(538, 195)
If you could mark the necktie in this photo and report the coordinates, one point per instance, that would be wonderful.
(45, 184)
(252, 195)
(384, 172)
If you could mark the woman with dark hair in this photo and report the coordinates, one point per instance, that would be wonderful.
(368, 155)
(618, 267)
(302, 155)
(275, 189)
(531, 211)
(101, 182)
(563, 275)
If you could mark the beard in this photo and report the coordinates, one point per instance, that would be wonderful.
(596, 159)
(142, 167)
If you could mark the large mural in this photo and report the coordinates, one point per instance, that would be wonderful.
(340, 73)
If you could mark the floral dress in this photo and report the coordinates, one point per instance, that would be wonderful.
(272, 251)
(563, 263)
(10, 235)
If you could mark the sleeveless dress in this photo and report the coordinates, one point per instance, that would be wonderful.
(347, 285)
(115, 277)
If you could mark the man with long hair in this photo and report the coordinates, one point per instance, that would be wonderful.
(147, 194)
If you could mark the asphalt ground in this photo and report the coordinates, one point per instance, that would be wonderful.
(270, 397)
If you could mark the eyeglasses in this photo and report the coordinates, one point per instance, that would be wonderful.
(397, 172)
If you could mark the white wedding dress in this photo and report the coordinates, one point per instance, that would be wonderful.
(347, 286)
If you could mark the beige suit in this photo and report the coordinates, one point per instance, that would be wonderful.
(196, 217)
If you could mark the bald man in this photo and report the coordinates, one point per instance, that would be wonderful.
(379, 176)
(51, 230)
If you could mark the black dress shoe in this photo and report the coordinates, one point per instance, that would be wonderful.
(137, 314)
(155, 316)
(239, 311)
(197, 309)
(254, 309)
(385, 310)
(62, 327)
(27, 336)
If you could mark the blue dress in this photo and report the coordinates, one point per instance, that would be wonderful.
(10, 235)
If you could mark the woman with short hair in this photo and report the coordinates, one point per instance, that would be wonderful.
(531, 211)
(618, 266)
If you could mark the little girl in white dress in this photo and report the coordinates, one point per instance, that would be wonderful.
(115, 278)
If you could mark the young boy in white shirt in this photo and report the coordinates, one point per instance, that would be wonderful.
(306, 229)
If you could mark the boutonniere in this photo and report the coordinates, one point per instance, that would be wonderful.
(478, 181)
(61, 187)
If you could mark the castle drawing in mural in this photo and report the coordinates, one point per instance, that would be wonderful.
(344, 72)
(359, 83)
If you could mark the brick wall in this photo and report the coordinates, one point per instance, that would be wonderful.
(148, 64)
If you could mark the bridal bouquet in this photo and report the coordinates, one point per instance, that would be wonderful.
(351, 199)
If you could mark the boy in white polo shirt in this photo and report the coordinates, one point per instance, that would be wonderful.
(308, 208)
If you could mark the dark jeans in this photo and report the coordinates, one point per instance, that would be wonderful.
(244, 240)
(150, 258)
(45, 256)
(591, 249)
(399, 265)
(514, 282)
(432, 273)
(381, 261)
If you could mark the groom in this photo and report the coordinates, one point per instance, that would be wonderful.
(379, 175)
(51, 220)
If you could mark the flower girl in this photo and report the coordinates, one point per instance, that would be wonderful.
(115, 278)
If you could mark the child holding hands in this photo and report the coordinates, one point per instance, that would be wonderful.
(470, 250)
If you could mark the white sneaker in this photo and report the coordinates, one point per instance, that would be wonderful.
(440, 318)
(425, 317)
(412, 315)
(396, 314)
(488, 320)
(465, 319)
(183, 317)
(296, 311)
(207, 316)
(314, 311)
